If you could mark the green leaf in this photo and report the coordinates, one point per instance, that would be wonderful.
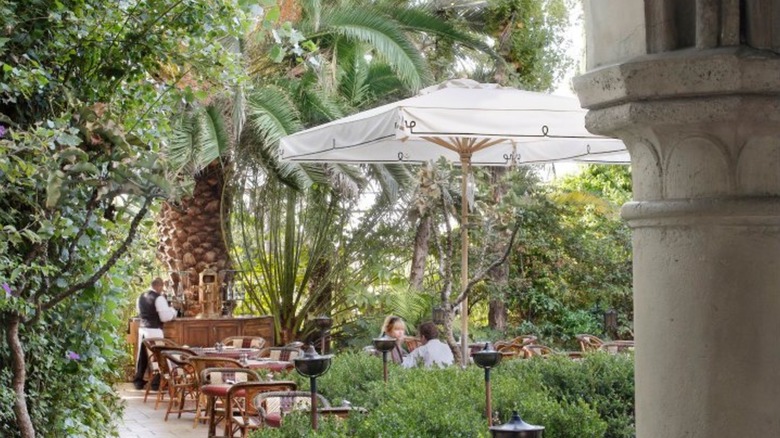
(276, 54)
(68, 139)
(53, 189)
(83, 167)
(273, 14)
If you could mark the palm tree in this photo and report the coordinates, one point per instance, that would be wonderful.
(365, 54)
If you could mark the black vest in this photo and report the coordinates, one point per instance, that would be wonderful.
(146, 310)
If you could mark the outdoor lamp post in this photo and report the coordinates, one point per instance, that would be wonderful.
(487, 359)
(516, 428)
(313, 365)
(384, 344)
(324, 323)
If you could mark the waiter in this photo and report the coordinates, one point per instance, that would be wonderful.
(153, 310)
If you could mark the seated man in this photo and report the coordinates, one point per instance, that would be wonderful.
(432, 351)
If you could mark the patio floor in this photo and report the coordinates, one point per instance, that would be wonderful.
(141, 420)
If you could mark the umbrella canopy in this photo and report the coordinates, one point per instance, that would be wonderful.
(468, 123)
(504, 126)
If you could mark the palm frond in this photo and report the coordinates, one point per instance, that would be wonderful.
(199, 138)
(272, 114)
(392, 178)
(386, 36)
(321, 105)
(417, 19)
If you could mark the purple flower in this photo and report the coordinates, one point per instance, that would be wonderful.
(3, 130)
(72, 356)
(7, 289)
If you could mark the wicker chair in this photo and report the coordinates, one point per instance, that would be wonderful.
(215, 383)
(294, 344)
(589, 342)
(244, 342)
(615, 347)
(182, 383)
(153, 370)
(164, 369)
(241, 400)
(282, 353)
(200, 363)
(274, 405)
(534, 350)
(411, 343)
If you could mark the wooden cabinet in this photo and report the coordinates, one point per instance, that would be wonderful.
(205, 332)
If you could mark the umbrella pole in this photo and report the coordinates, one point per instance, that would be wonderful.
(464, 259)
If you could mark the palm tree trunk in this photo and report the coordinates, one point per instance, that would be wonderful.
(191, 234)
(18, 365)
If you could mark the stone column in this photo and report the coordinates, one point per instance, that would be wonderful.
(703, 130)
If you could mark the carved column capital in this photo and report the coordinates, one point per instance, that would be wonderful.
(698, 124)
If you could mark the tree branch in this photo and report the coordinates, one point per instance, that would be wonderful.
(119, 252)
(482, 274)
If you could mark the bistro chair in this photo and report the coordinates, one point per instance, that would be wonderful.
(275, 405)
(534, 350)
(241, 398)
(214, 385)
(153, 369)
(589, 342)
(182, 383)
(200, 363)
(164, 369)
(616, 347)
(282, 353)
(411, 343)
(518, 341)
(244, 342)
(294, 344)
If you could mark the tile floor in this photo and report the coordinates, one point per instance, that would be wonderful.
(141, 420)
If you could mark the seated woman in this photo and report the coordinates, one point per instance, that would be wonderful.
(395, 327)
(432, 352)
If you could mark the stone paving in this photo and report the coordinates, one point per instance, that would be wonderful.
(141, 420)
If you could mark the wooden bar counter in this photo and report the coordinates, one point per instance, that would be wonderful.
(205, 332)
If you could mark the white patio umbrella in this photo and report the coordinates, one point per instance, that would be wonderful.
(468, 123)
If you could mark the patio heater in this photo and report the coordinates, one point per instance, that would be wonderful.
(516, 428)
(324, 323)
(313, 365)
(384, 344)
(487, 359)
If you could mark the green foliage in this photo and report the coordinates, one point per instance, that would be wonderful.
(592, 397)
(530, 36)
(86, 92)
(573, 258)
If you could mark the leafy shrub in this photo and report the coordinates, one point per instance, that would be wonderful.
(69, 395)
(592, 397)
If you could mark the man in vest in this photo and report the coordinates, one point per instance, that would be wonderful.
(153, 310)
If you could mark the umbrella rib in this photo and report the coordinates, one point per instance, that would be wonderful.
(443, 143)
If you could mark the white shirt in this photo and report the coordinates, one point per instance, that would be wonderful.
(433, 352)
(166, 312)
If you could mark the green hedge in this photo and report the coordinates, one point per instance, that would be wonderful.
(592, 397)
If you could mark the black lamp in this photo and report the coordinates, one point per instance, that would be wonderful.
(384, 344)
(517, 428)
(487, 358)
(324, 323)
(439, 315)
(313, 365)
